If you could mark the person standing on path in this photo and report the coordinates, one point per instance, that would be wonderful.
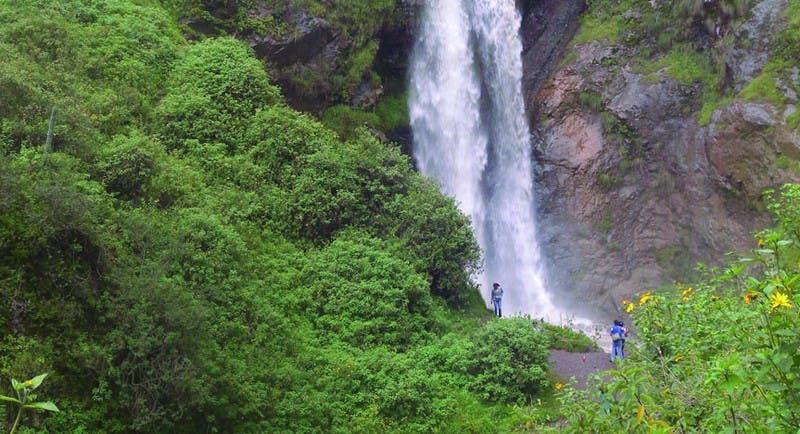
(617, 336)
(497, 297)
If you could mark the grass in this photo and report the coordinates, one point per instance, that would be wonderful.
(765, 86)
(590, 100)
(711, 103)
(793, 121)
(393, 111)
(607, 182)
(567, 339)
(602, 25)
(787, 163)
(687, 67)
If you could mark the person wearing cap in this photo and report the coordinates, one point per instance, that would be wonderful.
(497, 298)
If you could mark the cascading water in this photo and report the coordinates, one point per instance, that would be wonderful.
(470, 133)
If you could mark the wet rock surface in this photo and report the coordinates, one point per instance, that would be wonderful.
(632, 190)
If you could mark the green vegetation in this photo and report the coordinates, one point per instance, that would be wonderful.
(565, 338)
(590, 100)
(392, 110)
(688, 40)
(25, 396)
(787, 163)
(688, 67)
(346, 120)
(793, 121)
(717, 356)
(355, 22)
(763, 88)
(607, 181)
(600, 23)
(192, 255)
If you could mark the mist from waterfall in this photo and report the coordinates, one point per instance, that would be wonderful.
(471, 134)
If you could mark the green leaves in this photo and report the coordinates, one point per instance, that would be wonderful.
(194, 255)
(214, 91)
(48, 406)
(24, 391)
(509, 360)
(723, 354)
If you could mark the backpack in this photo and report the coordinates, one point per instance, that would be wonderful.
(616, 333)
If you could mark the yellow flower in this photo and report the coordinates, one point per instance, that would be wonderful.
(779, 299)
(559, 385)
(749, 296)
(714, 297)
(686, 292)
(628, 305)
(678, 358)
(760, 242)
(647, 296)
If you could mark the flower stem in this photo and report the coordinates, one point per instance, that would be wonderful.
(16, 421)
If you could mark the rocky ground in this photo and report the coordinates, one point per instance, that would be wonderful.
(578, 365)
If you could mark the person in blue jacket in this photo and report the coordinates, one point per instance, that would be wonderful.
(617, 340)
(497, 297)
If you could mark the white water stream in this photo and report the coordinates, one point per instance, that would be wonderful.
(471, 134)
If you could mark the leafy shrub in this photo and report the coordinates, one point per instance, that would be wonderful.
(346, 121)
(510, 360)
(438, 239)
(364, 296)
(127, 165)
(392, 112)
(279, 139)
(215, 89)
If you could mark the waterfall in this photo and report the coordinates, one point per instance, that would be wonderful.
(470, 133)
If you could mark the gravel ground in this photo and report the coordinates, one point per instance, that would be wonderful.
(578, 365)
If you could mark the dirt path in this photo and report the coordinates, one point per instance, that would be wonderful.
(578, 365)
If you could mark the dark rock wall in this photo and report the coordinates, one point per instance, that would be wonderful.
(628, 212)
(547, 28)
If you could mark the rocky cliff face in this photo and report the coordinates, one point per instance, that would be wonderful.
(633, 191)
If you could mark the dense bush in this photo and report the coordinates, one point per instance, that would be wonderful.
(364, 296)
(509, 360)
(214, 90)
